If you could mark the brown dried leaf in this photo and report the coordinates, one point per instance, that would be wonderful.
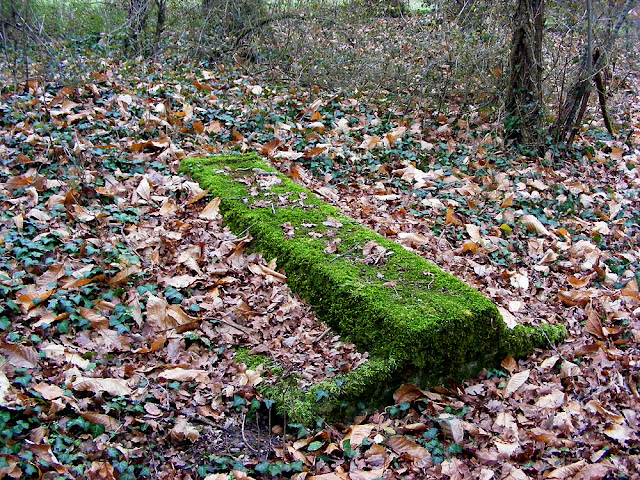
(184, 375)
(596, 406)
(554, 399)
(29, 300)
(212, 210)
(49, 391)
(50, 278)
(515, 382)
(594, 325)
(420, 456)
(183, 430)
(566, 471)
(101, 471)
(358, 474)
(407, 393)
(123, 275)
(593, 472)
(20, 356)
(534, 225)
(509, 364)
(452, 427)
(358, 433)
(144, 189)
(619, 432)
(108, 422)
(113, 386)
(452, 218)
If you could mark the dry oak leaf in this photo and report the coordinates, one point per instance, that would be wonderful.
(114, 386)
(183, 430)
(515, 382)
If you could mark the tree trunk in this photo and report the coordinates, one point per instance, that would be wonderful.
(578, 94)
(524, 107)
(138, 11)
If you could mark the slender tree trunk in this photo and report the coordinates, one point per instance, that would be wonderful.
(138, 11)
(578, 94)
(160, 23)
(524, 107)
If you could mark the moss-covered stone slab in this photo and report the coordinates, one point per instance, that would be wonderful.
(418, 323)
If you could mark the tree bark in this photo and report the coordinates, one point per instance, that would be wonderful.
(524, 106)
(138, 11)
(579, 92)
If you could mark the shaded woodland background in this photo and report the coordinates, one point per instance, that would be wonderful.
(435, 53)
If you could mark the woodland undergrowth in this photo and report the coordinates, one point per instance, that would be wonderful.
(126, 301)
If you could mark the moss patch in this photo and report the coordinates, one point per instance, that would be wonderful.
(418, 323)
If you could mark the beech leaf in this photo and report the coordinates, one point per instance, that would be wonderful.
(515, 382)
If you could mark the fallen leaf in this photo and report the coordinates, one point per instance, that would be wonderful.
(509, 364)
(452, 427)
(420, 456)
(183, 430)
(534, 225)
(211, 211)
(357, 434)
(509, 320)
(407, 393)
(113, 386)
(515, 382)
(108, 422)
(20, 356)
(49, 391)
(566, 471)
(183, 375)
(554, 399)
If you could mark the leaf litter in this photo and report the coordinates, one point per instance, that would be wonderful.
(126, 299)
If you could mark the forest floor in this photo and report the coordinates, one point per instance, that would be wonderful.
(125, 299)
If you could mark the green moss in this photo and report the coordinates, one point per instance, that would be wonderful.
(336, 398)
(399, 307)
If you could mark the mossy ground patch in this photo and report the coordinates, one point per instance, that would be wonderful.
(418, 323)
